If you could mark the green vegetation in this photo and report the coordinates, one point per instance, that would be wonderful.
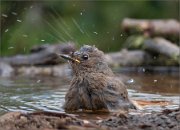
(24, 24)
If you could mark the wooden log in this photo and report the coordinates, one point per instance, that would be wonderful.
(164, 52)
(42, 55)
(62, 70)
(116, 59)
(128, 58)
(134, 42)
(164, 47)
(168, 28)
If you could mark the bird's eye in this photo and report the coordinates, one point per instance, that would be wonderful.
(72, 53)
(85, 56)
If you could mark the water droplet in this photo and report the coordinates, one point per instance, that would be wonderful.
(6, 30)
(143, 69)
(24, 49)
(10, 47)
(121, 35)
(155, 81)
(14, 13)
(95, 33)
(113, 38)
(31, 6)
(81, 13)
(86, 121)
(19, 20)
(24, 35)
(130, 81)
(38, 81)
(42, 40)
(4, 15)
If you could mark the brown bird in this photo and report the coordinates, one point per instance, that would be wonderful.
(94, 86)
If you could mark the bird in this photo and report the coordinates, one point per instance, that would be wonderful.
(94, 86)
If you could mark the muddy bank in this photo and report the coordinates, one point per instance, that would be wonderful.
(166, 120)
(42, 121)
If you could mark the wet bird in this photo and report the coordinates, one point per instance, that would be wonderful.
(94, 86)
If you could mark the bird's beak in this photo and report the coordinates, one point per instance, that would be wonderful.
(67, 57)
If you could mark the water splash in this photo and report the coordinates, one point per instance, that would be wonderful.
(11, 47)
(18, 20)
(58, 34)
(4, 15)
(95, 33)
(130, 81)
(155, 81)
(62, 25)
(38, 81)
(77, 25)
(143, 69)
(6, 30)
(13, 13)
(24, 35)
(31, 7)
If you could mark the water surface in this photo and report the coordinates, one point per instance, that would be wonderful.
(47, 93)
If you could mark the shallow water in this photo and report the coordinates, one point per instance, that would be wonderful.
(47, 93)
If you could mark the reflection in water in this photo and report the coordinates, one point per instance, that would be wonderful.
(47, 93)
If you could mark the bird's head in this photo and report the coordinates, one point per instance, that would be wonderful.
(87, 59)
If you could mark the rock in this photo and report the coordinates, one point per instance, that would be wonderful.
(128, 58)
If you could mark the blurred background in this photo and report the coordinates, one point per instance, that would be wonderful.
(28, 23)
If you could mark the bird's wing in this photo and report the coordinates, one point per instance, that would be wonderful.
(116, 95)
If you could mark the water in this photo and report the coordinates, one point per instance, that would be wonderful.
(47, 93)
